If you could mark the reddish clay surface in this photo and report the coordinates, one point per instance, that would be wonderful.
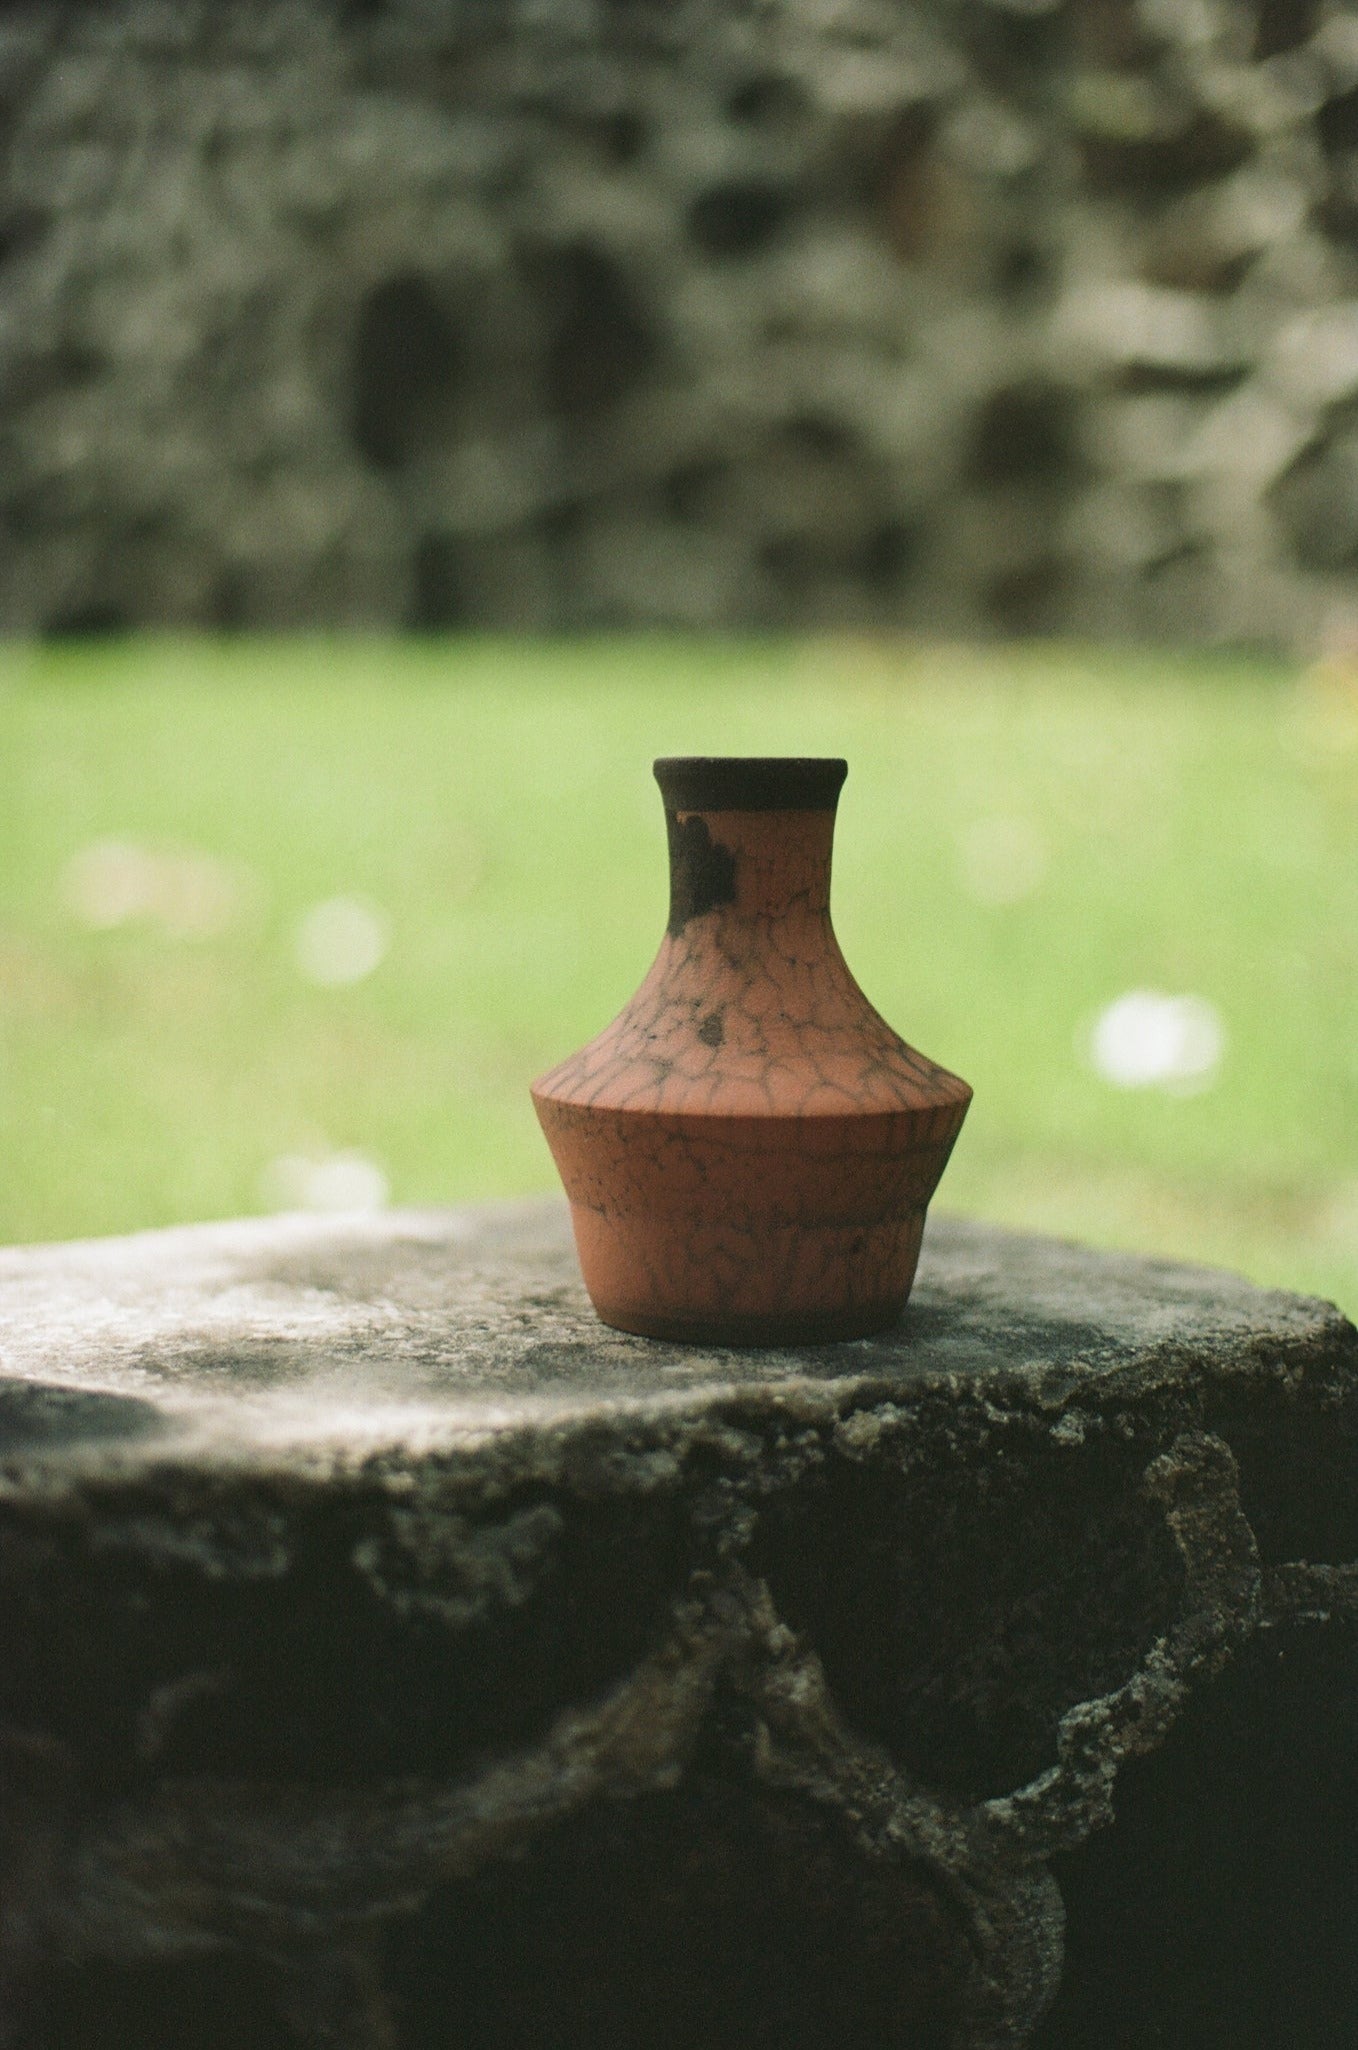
(749, 1148)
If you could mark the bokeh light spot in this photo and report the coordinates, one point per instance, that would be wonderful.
(1320, 721)
(1003, 860)
(190, 894)
(334, 1182)
(1147, 1040)
(340, 941)
(1338, 1221)
(109, 883)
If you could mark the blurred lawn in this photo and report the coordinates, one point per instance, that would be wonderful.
(1024, 836)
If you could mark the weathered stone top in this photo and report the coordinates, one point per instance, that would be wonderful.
(429, 1331)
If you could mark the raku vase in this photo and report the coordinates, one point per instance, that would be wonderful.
(749, 1149)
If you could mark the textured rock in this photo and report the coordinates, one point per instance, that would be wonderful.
(394, 1655)
(561, 313)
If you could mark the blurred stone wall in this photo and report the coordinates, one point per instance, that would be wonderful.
(971, 315)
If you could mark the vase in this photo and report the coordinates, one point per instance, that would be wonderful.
(749, 1149)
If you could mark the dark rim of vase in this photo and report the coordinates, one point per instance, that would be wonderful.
(750, 782)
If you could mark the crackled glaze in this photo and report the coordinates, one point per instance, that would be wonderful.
(749, 1148)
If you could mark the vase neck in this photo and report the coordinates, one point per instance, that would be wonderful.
(749, 864)
(749, 835)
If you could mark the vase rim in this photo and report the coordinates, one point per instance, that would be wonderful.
(750, 782)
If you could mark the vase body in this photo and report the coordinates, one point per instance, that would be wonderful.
(749, 1149)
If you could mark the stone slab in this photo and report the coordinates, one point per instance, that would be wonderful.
(299, 1336)
(394, 1655)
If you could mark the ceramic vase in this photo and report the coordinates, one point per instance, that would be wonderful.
(749, 1149)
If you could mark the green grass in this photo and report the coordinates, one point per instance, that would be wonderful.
(1190, 826)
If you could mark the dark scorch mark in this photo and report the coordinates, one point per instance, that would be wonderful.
(702, 870)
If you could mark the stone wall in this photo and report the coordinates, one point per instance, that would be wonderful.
(973, 315)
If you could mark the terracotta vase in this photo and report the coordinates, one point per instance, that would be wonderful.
(748, 1148)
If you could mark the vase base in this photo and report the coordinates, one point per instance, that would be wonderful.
(834, 1327)
(757, 1283)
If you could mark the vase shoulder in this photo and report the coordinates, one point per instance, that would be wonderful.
(784, 1032)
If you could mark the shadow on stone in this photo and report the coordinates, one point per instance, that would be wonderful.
(738, 220)
(933, 1599)
(1298, 1479)
(1025, 432)
(405, 369)
(601, 343)
(219, 2003)
(1218, 1912)
(373, 1639)
(33, 1415)
(715, 1918)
